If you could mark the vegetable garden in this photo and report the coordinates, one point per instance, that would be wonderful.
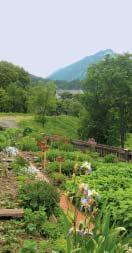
(100, 188)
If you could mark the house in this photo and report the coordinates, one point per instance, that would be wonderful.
(59, 92)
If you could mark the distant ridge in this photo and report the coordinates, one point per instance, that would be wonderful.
(78, 70)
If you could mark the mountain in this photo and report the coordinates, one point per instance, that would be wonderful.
(78, 70)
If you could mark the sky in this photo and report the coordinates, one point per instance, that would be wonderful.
(45, 35)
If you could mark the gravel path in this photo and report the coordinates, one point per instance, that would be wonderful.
(8, 123)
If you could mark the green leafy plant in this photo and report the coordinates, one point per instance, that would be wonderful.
(13, 135)
(29, 246)
(38, 193)
(28, 143)
(33, 221)
(58, 179)
(53, 153)
(113, 182)
(102, 238)
(27, 131)
(53, 167)
(3, 140)
(111, 158)
(19, 165)
(68, 167)
(50, 230)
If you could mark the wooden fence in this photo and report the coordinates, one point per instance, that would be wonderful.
(122, 154)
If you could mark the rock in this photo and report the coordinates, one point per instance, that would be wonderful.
(12, 151)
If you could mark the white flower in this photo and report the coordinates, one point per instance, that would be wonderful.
(94, 193)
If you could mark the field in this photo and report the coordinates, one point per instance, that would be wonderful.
(64, 168)
(61, 125)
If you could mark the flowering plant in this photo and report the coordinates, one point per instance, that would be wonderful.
(44, 149)
(88, 199)
(86, 168)
(60, 160)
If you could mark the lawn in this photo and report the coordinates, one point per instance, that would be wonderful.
(60, 125)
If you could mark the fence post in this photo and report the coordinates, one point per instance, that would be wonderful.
(126, 154)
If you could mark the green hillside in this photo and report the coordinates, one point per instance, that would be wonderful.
(77, 70)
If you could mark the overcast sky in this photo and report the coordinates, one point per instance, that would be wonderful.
(44, 35)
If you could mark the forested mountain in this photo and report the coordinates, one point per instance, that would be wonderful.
(60, 84)
(77, 70)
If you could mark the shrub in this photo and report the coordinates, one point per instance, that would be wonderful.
(67, 147)
(56, 246)
(61, 146)
(13, 135)
(21, 161)
(50, 230)
(110, 158)
(58, 179)
(22, 178)
(53, 167)
(46, 246)
(55, 145)
(28, 144)
(19, 165)
(27, 131)
(38, 193)
(68, 167)
(3, 141)
(29, 246)
(52, 154)
(94, 155)
(78, 156)
(33, 221)
(60, 245)
(37, 136)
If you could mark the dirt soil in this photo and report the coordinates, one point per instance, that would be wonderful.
(8, 186)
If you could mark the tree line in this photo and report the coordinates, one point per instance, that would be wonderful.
(21, 92)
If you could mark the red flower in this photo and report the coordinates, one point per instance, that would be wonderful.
(43, 146)
(60, 159)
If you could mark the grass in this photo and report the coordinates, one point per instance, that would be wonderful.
(60, 125)
(18, 117)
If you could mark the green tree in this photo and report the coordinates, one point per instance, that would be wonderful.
(4, 99)
(66, 95)
(108, 100)
(17, 98)
(10, 73)
(42, 101)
